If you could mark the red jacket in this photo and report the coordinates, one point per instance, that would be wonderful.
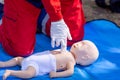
(71, 11)
(20, 21)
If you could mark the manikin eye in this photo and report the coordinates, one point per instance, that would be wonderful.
(74, 46)
(77, 45)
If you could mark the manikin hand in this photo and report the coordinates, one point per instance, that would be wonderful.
(59, 34)
(52, 74)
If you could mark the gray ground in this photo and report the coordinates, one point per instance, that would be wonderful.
(92, 11)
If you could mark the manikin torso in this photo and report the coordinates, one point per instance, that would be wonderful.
(66, 58)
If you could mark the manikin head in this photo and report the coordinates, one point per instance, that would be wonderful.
(85, 52)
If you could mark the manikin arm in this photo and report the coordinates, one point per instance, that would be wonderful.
(68, 72)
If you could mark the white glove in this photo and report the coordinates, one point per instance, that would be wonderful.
(59, 34)
(2, 1)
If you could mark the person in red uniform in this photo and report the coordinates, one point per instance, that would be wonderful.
(65, 24)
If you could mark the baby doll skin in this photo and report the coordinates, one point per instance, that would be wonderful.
(83, 53)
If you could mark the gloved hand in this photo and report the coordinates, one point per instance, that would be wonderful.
(59, 34)
(2, 1)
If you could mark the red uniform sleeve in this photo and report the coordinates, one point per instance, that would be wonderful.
(53, 9)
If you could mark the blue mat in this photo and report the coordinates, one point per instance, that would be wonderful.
(104, 34)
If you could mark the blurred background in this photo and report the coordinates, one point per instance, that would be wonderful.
(92, 11)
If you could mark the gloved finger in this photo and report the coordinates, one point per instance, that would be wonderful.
(69, 35)
(53, 42)
(58, 42)
(63, 45)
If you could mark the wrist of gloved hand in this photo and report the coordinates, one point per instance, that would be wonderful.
(58, 22)
(2, 1)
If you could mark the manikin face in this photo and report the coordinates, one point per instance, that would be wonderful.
(85, 52)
